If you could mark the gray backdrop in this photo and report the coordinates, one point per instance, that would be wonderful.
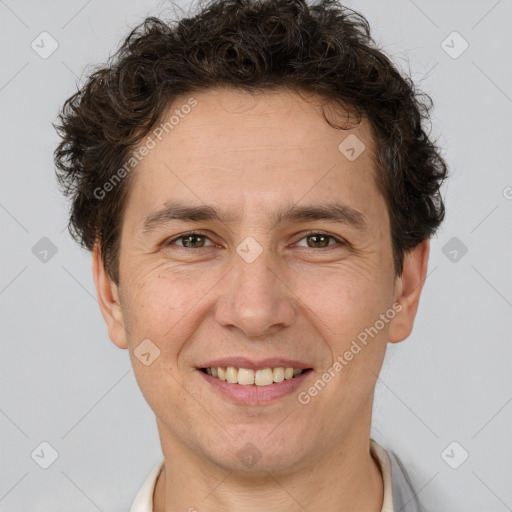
(443, 401)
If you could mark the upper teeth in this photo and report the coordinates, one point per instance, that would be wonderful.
(247, 376)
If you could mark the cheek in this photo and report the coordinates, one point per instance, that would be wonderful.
(156, 310)
(164, 306)
(345, 320)
(345, 309)
(346, 299)
(156, 313)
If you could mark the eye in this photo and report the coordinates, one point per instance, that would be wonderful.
(196, 240)
(320, 240)
(191, 240)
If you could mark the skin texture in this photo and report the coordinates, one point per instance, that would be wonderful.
(252, 155)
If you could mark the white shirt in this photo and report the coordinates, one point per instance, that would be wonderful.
(398, 493)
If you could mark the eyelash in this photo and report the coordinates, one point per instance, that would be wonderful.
(309, 233)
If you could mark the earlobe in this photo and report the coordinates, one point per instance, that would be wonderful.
(408, 289)
(109, 300)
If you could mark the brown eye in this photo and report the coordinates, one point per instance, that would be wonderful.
(191, 240)
(319, 240)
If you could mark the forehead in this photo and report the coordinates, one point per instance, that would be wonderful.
(264, 121)
(248, 152)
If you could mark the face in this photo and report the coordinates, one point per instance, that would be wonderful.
(255, 289)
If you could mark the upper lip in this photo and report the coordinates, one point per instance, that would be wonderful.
(255, 364)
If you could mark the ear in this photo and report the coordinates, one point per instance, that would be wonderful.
(408, 290)
(108, 299)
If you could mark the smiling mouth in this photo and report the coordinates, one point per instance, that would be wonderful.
(249, 377)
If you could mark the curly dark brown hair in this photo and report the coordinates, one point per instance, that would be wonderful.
(322, 48)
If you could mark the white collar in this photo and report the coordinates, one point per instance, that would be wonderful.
(398, 493)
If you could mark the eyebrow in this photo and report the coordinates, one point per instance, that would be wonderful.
(333, 211)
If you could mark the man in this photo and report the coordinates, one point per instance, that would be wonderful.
(258, 194)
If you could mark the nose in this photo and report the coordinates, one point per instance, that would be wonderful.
(257, 297)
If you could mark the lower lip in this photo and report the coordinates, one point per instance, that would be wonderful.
(256, 395)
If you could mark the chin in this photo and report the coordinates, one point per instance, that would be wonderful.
(256, 454)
